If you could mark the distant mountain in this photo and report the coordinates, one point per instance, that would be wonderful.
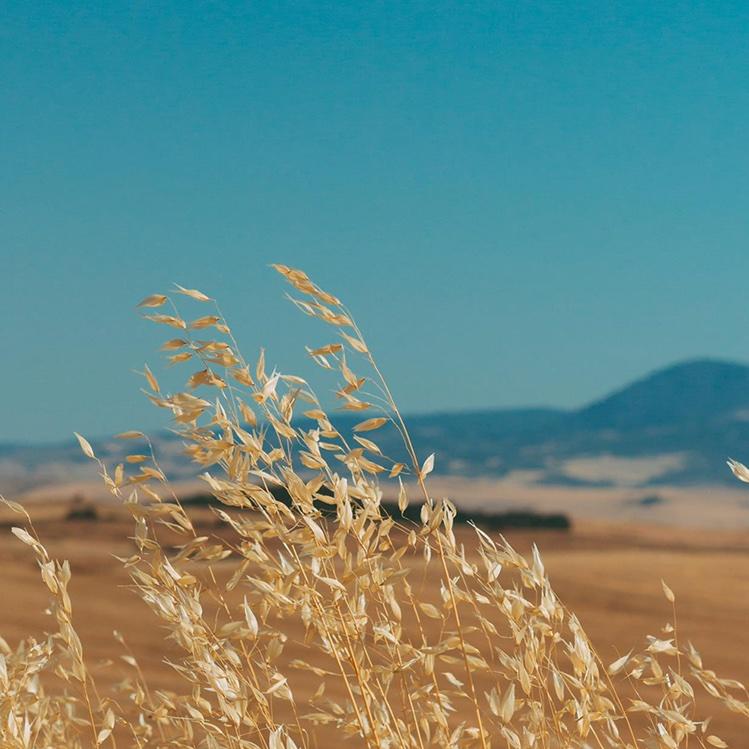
(698, 410)
(675, 426)
(693, 392)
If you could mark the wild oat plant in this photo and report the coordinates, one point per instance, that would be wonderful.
(494, 659)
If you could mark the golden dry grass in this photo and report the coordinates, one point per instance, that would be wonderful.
(297, 623)
(609, 575)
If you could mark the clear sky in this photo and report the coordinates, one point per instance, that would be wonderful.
(523, 203)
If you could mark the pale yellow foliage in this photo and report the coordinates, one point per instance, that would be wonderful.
(503, 664)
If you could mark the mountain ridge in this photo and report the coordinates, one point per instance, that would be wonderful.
(697, 409)
(660, 395)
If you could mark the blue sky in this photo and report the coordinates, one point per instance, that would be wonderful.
(523, 203)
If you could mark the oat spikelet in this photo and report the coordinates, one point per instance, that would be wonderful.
(304, 574)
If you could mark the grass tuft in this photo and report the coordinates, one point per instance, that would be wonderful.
(313, 574)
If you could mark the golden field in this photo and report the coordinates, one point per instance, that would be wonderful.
(609, 575)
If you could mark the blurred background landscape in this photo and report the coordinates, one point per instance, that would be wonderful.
(537, 212)
(653, 451)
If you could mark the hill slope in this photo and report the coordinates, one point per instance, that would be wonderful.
(696, 410)
(676, 425)
(699, 392)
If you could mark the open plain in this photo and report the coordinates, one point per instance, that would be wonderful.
(608, 574)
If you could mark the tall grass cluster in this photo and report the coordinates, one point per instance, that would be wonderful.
(317, 631)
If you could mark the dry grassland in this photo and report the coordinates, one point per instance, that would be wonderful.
(609, 575)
